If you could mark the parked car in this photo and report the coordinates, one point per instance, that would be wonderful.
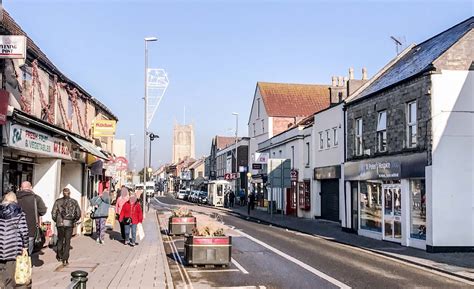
(194, 196)
(203, 198)
(182, 195)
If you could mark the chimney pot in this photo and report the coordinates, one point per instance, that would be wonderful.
(364, 73)
(334, 80)
(341, 81)
(351, 73)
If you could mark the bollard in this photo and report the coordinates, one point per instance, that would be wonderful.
(81, 278)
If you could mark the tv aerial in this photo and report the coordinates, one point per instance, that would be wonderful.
(399, 42)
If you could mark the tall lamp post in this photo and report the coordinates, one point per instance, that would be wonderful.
(236, 159)
(147, 39)
(130, 164)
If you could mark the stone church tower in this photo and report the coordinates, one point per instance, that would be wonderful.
(183, 142)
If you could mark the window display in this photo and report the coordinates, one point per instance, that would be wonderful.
(371, 206)
(418, 209)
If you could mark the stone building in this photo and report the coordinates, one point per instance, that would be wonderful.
(183, 142)
(409, 157)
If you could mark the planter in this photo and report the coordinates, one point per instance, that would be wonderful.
(181, 225)
(208, 250)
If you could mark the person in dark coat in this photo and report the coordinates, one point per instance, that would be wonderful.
(26, 200)
(66, 212)
(13, 238)
(251, 202)
(231, 199)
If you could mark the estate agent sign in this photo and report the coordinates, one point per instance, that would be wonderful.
(30, 140)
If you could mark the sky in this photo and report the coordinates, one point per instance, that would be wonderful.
(215, 52)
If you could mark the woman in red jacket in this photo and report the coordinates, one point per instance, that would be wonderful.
(131, 215)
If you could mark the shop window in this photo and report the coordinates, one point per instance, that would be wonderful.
(304, 190)
(370, 198)
(418, 209)
(328, 138)
(321, 140)
(334, 130)
(411, 125)
(358, 137)
(382, 131)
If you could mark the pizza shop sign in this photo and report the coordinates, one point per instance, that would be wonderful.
(33, 141)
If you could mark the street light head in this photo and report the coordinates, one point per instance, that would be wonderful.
(235, 113)
(151, 39)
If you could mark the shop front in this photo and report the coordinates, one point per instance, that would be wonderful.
(388, 198)
(328, 181)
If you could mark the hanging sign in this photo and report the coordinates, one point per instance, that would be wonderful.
(121, 164)
(30, 140)
(104, 128)
(12, 46)
(4, 99)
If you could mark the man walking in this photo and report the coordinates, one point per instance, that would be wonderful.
(66, 212)
(251, 202)
(33, 206)
(231, 199)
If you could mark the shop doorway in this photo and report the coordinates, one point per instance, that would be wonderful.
(392, 212)
(330, 199)
(291, 200)
(354, 206)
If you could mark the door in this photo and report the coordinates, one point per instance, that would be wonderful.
(291, 200)
(330, 199)
(392, 212)
(354, 206)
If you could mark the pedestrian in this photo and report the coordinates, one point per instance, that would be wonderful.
(33, 207)
(251, 202)
(66, 212)
(118, 208)
(242, 197)
(231, 199)
(131, 215)
(13, 238)
(101, 204)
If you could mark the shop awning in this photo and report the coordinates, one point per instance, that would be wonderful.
(88, 147)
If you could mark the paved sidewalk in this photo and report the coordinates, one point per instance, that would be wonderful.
(459, 264)
(112, 265)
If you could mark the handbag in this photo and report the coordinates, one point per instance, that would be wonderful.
(127, 220)
(23, 268)
(40, 237)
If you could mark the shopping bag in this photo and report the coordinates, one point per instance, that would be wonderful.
(110, 222)
(140, 232)
(87, 226)
(23, 269)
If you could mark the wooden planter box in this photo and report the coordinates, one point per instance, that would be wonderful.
(181, 225)
(208, 250)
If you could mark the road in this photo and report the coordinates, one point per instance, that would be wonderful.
(270, 257)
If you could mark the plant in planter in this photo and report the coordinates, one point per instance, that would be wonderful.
(181, 222)
(208, 246)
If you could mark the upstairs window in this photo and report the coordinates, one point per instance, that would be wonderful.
(382, 131)
(334, 130)
(254, 130)
(263, 125)
(328, 138)
(411, 125)
(358, 137)
(258, 108)
(307, 153)
(321, 140)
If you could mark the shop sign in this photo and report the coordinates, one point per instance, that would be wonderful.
(13, 46)
(4, 99)
(261, 158)
(104, 128)
(256, 166)
(121, 164)
(332, 172)
(33, 141)
(382, 170)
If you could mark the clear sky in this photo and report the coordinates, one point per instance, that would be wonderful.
(216, 51)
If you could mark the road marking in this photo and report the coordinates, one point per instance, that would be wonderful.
(242, 269)
(213, 271)
(298, 262)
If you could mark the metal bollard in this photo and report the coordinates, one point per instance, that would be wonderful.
(80, 279)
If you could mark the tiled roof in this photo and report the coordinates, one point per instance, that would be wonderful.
(11, 26)
(224, 141)
(419, 58)
(293, 100)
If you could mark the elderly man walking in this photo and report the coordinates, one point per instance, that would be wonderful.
(33, 206)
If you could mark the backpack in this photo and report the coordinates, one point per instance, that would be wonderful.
(68, 210)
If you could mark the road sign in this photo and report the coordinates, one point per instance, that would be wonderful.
(121, 164)
(261, 158)
(294, 175)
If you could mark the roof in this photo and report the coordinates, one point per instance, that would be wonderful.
(419, 58)
(9, 24)
(223, 141)
(293, 100)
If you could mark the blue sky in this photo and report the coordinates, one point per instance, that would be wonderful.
(215, 51)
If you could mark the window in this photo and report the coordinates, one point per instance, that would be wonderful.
(258, 107)
(307, 153)
(382, 131)
(254, 131)
(358, 136)
(418, 209)
(321, 140)
(411, 124)
(328, 139)
(334, 130)
(263, 125)
(370, 199)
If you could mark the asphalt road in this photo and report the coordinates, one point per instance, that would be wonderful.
(277, 258)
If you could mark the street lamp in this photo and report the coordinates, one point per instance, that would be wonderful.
(152, 138)
(147, 39)
(236, 159)
(130, 151)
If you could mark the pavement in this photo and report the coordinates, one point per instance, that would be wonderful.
(456, 264)
(111, 265)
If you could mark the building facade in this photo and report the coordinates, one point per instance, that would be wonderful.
(183, 142)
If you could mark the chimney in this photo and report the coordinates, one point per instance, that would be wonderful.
(351, 73)
(364, 73)
(340, 81)
(334, 80)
